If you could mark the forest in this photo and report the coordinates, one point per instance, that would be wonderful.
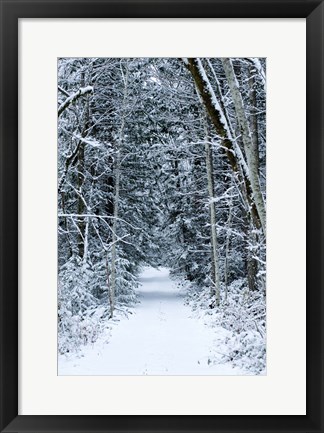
(162, 166)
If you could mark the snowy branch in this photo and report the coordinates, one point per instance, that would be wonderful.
(74, 97)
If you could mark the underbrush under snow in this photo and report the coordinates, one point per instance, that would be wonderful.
(81, 332)
(87, 335)
(243, 321)
(83, 304)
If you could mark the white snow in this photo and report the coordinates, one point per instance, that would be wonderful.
(160, 338)
(92, 142)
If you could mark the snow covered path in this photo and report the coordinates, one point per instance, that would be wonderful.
(159, 339)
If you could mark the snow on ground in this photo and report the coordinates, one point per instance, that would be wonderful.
(160, 338)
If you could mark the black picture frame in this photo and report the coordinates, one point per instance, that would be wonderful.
(11, 11)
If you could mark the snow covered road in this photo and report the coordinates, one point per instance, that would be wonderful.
(159, 339)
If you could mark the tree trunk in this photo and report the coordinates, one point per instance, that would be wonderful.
(86, 241)
(253, 117)
(81, 173)
(251, 157)
(227, 244)
(114, 232)
(215, 290)
(116, 196)
(81, 205)
(111, 303)
(251, 263)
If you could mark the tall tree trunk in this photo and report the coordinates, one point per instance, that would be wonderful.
(114, 231)
(116, 195)
(81, 205)
(86, 241)
(251, 157)
(110, 184)
(111, 303)
(252, 264)
(215, 289)
(253, 116)
(81, 173)
(227, 244)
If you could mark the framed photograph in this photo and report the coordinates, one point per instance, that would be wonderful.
(161, 216)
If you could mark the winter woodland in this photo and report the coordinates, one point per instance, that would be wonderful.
(162, 216)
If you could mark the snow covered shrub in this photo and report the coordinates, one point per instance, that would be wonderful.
(79, 321)
(243, 315)
(83, 304)
(247, 350)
